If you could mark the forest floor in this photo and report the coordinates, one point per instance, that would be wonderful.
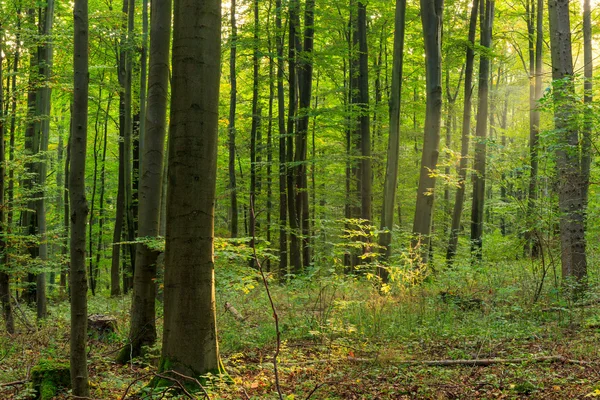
(341, 339)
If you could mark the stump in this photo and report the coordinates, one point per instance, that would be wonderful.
(101, 326)
(48, 377)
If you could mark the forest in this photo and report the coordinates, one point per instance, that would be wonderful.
(286, 199)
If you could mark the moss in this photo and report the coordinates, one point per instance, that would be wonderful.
(48, 377)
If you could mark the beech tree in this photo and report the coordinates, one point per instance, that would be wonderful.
(143, 311)
(570, 180)
(79, 206)
(431, 16)
(486, 17)
(391, 172)
(190, 331)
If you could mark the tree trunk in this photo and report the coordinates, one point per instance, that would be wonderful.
(533, 246)
(254, 128)
(190, 331)
(79, 207)
(283, 242)
(390, 185)
(143, 313)
(233, 220)
(431, 16)
(305, 78)
(4, 276)
(570, 185)
(588, 117)
(294, 49)
(479, 166)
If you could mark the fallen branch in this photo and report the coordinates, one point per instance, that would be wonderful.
(482, 362)
(14, 383)
(235, 313)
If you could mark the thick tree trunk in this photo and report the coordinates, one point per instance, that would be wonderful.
(431, 16)
(79, 207)
(143, 310)
(479, 165)
(390, 185)
(190, 331)
(570, 185)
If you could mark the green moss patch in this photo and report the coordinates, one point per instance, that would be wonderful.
(48, 377)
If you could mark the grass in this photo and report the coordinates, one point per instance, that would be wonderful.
(342, 339)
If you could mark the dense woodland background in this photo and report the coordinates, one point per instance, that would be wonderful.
(413, 162)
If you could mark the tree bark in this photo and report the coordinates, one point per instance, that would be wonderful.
(293, 50)
(4, 276)
(283, 242)
(479, 165)
(533, 246)
(143, 311)
(190, 331)
(390, 185)
(79, 207)
(233, 212)
(570, 185)
(588, 116)
(431, 16)
(305, 78)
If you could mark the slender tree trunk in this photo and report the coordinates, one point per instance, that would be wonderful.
(128, 150)
(66, 204)
(91, 270)
(431, 16)
(191, 347)
(477, 208)
(305, 78)
(254, 127)
(270, 130)
(143, 311)
(365, 177)
(465, 137)
(101, 211)
(4, 276)
(79, 209)
(45, 97)
(390, 185)
(570, 185)
(233, 220)
(294, 49)
(283, 242)
(588, 118)
(115, 275)
(535, 92)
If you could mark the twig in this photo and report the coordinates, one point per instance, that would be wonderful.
(15, 383)
(273, 309)
(30, 327)
(183, 389)
(315, 389)
(133, 383)
(191, 379)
